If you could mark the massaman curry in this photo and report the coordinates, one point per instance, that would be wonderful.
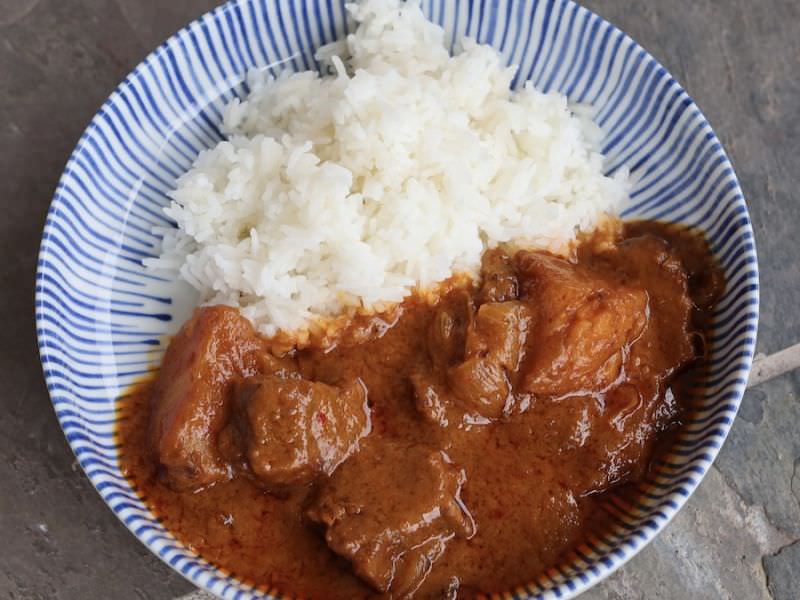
(446, 448)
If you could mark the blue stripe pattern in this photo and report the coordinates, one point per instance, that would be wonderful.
(101, 317)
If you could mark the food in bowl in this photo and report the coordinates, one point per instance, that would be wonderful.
(460, 445)
(427, 350)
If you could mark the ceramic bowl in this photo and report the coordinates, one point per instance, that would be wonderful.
(102, 318)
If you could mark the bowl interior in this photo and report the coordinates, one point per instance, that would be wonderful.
(102, 318)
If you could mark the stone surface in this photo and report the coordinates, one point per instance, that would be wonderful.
(738, 535)
(712, 549)
(781, 570)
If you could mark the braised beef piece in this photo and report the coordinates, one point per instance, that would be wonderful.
(495, 346)
(391, 510)
(283, 429)
(447, 335)
(615, 422)
(499, 277)
(191, 400)
(635, 411)
(706, 279)
(499, 333)
(584, 325)
(433, 400)
(667, 344)
(446, 340)
(478, 387)
(292, 430)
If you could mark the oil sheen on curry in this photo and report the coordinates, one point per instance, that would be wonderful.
(449, 448)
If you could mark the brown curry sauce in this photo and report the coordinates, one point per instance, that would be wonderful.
(536, 475)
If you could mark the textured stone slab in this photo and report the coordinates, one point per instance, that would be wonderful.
(782, 572)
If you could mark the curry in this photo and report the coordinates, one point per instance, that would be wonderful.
(448, 448)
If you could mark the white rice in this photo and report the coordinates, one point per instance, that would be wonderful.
(351, 190)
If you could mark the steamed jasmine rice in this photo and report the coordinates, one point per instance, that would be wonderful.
(351, 190)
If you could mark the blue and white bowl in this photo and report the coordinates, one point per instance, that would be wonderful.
(102, 318)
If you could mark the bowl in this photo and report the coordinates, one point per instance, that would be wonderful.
(102, 318)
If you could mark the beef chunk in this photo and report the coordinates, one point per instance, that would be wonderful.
(191, 398)
(447, 334)
(494, 347)
(499, 333)
(432, 399)
(391, 512)
(666, 344)
(481, 384)
(584, 325)
(499, 277)
(621, 433)
(293, 430)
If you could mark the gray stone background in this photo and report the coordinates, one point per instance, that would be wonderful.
(739, 535)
